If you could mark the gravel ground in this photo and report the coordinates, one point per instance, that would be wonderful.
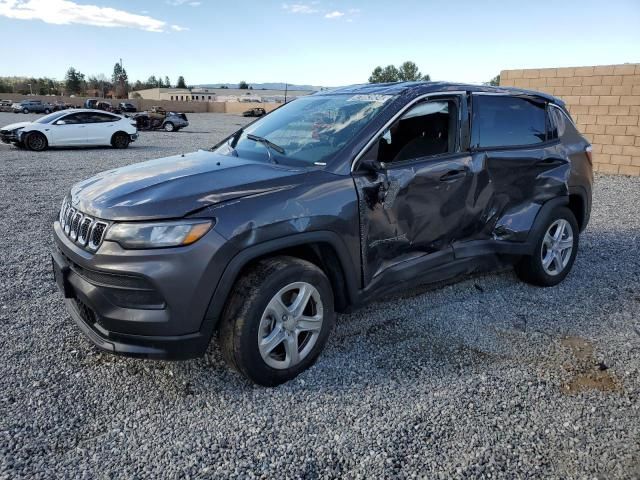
(487, 377)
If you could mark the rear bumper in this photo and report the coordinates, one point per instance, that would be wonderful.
(146, 303)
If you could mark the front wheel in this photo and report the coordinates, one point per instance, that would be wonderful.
(36, 141)
(169, 127)
(25, 110)
(555, 250)
(277, 320)
(47, 111)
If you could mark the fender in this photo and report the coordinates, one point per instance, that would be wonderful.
(542, 217)
(245, 256)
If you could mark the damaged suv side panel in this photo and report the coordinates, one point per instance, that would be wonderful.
(324, 204)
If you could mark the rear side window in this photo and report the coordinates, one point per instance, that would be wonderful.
(503, 121)
(557, 123)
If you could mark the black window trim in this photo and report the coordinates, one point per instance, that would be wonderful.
(547, 143)
(398, 114)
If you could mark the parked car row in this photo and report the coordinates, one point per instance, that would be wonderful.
(87, 127)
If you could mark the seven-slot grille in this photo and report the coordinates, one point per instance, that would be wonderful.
(85, 231)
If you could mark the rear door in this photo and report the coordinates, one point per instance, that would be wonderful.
(101, 127)
(519, 164)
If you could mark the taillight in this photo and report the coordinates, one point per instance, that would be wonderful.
(589, 153)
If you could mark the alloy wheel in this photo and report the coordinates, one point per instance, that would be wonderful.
(557, 246)
(290, 325)
(37, 142)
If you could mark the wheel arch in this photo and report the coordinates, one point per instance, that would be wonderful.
(324, 249)
(579, 205)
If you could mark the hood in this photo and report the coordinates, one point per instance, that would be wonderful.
(14, 126)
(174, 186)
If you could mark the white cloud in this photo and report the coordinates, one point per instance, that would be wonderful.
(299, 8)
(66, 12)
(178, 28)
(334, 14)
(177, 3)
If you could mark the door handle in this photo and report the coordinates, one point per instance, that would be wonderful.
(452, 175)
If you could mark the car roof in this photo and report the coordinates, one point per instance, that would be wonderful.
(89, 110)
(420, 88)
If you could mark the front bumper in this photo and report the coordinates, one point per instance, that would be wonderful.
(104, 303)
(9, 137)
(134, 136)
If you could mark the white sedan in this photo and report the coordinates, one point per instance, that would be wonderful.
(72, 128)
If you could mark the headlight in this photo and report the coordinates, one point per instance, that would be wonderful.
(158, 234)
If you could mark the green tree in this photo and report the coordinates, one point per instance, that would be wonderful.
(167, 82)
(5, 87)
(243, 85)
(181, 83)
(495, 81)
(384, 75)
(407, 72)
(74, 81)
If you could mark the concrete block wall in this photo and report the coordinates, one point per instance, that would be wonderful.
(603, 100)
(144, 104)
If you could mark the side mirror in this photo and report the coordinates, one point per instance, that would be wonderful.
(61, 122)
(386, 136)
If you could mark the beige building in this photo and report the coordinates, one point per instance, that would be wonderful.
(603, 100)
(216, 95)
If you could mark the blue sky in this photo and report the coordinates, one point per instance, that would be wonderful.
(319, 42)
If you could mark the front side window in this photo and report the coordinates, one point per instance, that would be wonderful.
(52, 117)
(307, 130)
(426, 130)
(504, 121)
(73, 119)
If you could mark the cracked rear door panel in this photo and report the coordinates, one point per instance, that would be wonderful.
(513, 179)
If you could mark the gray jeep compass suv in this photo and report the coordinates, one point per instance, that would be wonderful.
(324, 204)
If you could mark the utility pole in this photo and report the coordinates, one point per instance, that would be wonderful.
(30, 89)
(286, 87)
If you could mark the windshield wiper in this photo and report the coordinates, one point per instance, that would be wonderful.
(269, 145)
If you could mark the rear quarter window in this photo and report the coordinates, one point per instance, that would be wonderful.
(504, 121)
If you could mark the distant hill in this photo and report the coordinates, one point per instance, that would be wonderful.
(263, 86)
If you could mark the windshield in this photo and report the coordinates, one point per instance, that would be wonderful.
(52, 117)
(308, 130)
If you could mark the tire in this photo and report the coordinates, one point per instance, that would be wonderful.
(120, 140)
(36, 141)
(47, 111)
(552, 260)
(25, 110)
(253, 315)
(169, 127)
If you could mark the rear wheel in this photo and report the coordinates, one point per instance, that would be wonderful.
(25, 110)
(277, 320)
(169, 127)
(36, 141)
(120, 140)
(555, 250)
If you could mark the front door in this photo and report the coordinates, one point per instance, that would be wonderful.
(70, 130)
(416, 206)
